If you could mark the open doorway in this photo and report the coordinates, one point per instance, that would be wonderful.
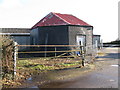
(80, 40)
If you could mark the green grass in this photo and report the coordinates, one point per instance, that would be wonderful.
(70, 64)
(42, 67)
(23, 62)
(41, 64)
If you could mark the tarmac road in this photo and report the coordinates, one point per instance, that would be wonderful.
(104, 76)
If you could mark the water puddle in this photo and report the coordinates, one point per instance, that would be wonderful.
(34, 87)
(111, 80)
(114, 65)
(29, 79)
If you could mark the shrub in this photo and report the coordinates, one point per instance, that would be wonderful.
(7, 46)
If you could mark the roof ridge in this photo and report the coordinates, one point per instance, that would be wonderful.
(60, 17)
(70, 15)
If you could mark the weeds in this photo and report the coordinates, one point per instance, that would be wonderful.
(43, 64)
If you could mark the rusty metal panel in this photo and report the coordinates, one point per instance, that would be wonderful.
(54, 19)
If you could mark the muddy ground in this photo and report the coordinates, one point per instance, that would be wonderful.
(103, 73)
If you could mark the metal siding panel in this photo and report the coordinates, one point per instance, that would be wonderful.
(96, 38)
(57, 35)
(73, 32)
(54, 19)
(34, 36)
(22, 40)
(77, 30)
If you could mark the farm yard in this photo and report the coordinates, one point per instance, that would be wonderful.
(45, 67)
(73, 46)
(53, 47)
(19, 70)
(39, 71)
(48, 69)
(52, 72)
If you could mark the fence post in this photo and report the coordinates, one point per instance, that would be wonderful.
(0, 67)
(15, 58)
(83, 58)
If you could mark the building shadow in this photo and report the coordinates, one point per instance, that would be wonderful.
(111, 55)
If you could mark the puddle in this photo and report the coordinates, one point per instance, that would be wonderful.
(34, 87)
(29, 79)
(114, 65)
(111, 80)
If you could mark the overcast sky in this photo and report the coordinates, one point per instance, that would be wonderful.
(102, 14)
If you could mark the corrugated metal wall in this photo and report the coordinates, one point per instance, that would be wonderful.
(62, 35)
(22, 40)
(96, 38)
(50, 35)
(79, 30)
(53, 35)
(34, 37)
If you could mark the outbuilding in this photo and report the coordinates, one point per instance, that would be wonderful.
(62, 29)
(96, 41)
(19, 35)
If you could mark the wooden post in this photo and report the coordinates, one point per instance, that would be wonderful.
(1, 61)
(0, 67)
(15, 58)
(82, 55)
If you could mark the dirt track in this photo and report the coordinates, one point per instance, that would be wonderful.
(104, 76)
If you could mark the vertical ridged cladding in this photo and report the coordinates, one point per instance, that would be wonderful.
(57, 35)
(34, 39)
(89, 40)
(64, 35)
(96, 38)
(14, 30)
(51, 35)
(81, 30)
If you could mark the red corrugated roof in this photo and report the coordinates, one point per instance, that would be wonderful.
(53, 19)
